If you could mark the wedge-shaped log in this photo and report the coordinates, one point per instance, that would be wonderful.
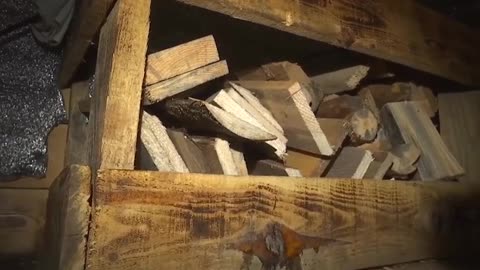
(289, 106)
(340, 80)
(199, 115)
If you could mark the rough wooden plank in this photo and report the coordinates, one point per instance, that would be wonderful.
(340, 80)
(379, 167)
(68, 217)
(176, 85)
(288, 105)
(181, 59)
(159, 146)
(147, 220)
(119, 77)
(403, 32)
(460, 129)
(406, 122)
(22, 220)
(199, 115)
(85, 26)
(351, 163)
(189, 151)
(77, 151)
(336, 131)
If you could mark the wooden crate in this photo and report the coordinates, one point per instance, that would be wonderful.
(150, 220)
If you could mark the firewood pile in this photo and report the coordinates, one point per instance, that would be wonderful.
(277, 120)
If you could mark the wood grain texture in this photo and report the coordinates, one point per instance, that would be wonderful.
(403, 32)
(146, 220)
(85, 26)
(460, 130)
(181, 83)
(119, 77)
(181, 59)
(404, 121)
(22, 220)
(77, 151)
(289, 106)
(68, 217)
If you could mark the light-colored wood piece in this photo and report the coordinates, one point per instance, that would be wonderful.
(181, 83)
(181, 59)
(351, 163)
(68, 218)
(200, 115)
(407, 122)
(288, 105)
(225, 157)
(159, 146)
(239, 160)
(248, 96)
(22, 219)
(85, 26)
(148, 220)
(460, 130)
(379, 167)
(115, 113)
(340, 80)
(404, 32)
(225, 101)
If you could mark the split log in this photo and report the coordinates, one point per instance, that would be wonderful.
(180, 59)
(362, 123)
(351, 163)
(176, 85)
(285, 71)
(290, 108)
(407, 123)
(239, 159)
(224, 100)
(189, 151)
(221, 158)
(341, 80)
(160, 148)
(199, 115)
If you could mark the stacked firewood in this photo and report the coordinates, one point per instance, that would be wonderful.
(277, 120)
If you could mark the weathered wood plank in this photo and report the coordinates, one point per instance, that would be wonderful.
(68, 217)
(180, 59)
(85, 26)
(399, 31)
(147, 220)
(115, 113)
(460, 129)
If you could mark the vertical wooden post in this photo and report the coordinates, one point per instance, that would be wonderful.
(115, 107)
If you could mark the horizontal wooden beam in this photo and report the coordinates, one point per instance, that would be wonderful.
(151, 220)
(403, 32)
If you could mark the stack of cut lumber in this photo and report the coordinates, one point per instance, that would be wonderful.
(277, 120)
